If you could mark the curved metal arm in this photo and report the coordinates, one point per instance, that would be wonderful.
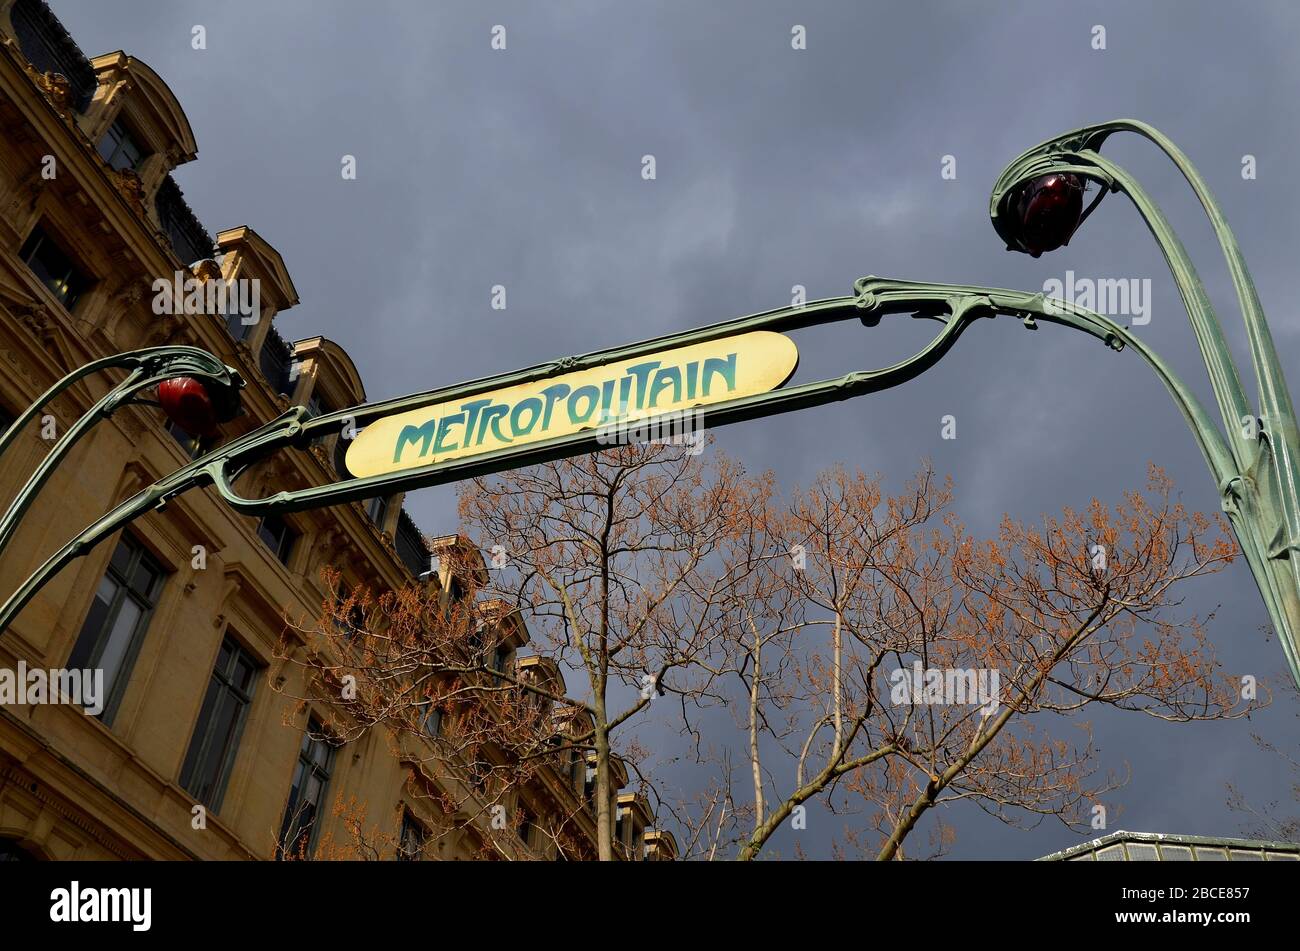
(279, 432)
(1075, 152)
(146, 368)
(1264, 504)
(955, 306)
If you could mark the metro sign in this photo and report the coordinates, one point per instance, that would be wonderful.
(670, 382)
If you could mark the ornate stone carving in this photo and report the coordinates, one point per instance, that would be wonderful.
(56, 87)
(206, 270)
(130, 292)
(38, 319)
(129, 186)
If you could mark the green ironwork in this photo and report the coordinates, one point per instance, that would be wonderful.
(1256, 477)
(1260, 491)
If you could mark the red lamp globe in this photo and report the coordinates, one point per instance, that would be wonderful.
(189, 405)
(1047, 211)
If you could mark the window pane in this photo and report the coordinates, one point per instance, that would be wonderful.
(128, 155)
(433, 721)
(237, 328)
(52, 267)
(119, 149)
(94, 624)
(221, 733)
(108, 144)
(298, 774)
(310, 779)
(277, 535)
(121, 562)
(216, 735)
(311, 792)
(306, 819)
(244, 673)
(320, 753)
(119, 640)
(144, 578)
(190, 772)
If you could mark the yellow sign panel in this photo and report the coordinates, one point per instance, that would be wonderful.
(615, 394)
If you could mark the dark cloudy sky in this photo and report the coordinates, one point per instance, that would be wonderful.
(775, 167)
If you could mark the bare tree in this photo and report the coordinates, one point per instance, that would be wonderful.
(890, 663)
(614, 556)
(419, 669)
(875, 657)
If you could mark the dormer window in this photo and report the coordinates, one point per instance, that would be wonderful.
(53, 267)
(239, 326)
(119, 148)
(318, 405)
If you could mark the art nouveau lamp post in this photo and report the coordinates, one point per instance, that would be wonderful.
(1037, 205)
(548, 411)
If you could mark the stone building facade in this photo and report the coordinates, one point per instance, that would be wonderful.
(183, 610)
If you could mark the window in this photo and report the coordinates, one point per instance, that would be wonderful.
(221, 721)
(11, 851)
(318, 405)
(239, 326)
(377, 509)
(53, 267)
(278, 535)
(310, 778)
(500, 658)
(414, 837)
(527, 823)
(113, 630)
(194, 446)
(479, 770)
(432, 720)
(119, 149)
(354, 622)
